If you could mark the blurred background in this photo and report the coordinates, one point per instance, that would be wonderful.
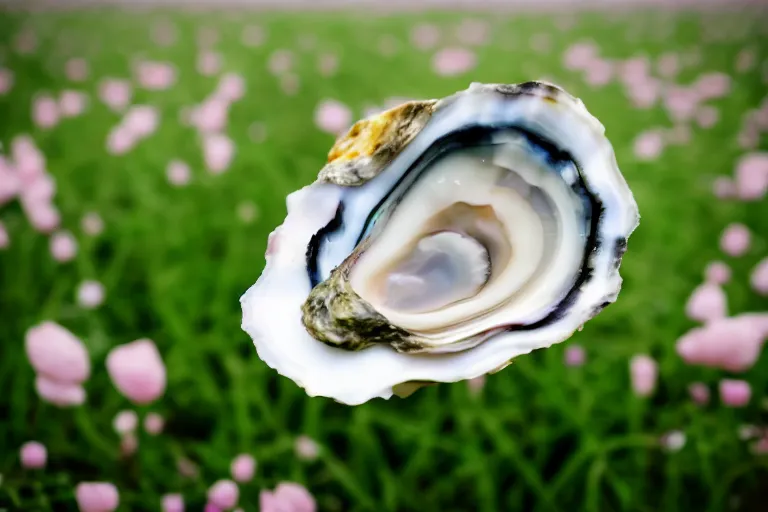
(145, 156)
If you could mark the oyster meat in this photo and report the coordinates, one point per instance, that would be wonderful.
(442, 239)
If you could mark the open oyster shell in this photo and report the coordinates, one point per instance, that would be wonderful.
(441, 240)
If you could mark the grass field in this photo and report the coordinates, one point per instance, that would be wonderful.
(175, 260)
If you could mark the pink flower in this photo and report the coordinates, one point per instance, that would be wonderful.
(155, 76)
(61, 394)
(599, 72)
(153, 423)
(289, 84)
(90, 294)
(579, 55)
(476, 385)
(72, 103)
(96, 497)
(120, 140)
(643, 372)
(57, 354)
(717, 273)
(681, 102)
(208, 63)
(707, 302)
(6, 81)
(247, 212)
(453, 61)
(243, 467)
(575, 355)
(679, 134)
(673, 441)
(92, 224)
(33, 455)
(45, 111)
(648, 145)
(211, 115)
(327, 64)
(724, 187)
(759, 278)
(473, 32)
(735, 393)
(129, 444)
(287, 497)
(137, 371)
(306, 448)
(141, 120)
(10, 184)
(231, 87)
(280, 62)
(735, 240)
(644, 93)
(115, 93)
(712, 85)
(76, 69)
(425, 36)
(5, 239)
(125, 422)
(752, 176)
(732, 344)
(178, 173)
(252, 36)
(333, 117)
(668, 65)
(224, 494)
(707, 116)
(699, 393)
(745, 60)
(172, 503)
(63, 246)
(186, 468)
(218, 151)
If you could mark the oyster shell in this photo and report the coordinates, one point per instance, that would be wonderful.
(442, 239)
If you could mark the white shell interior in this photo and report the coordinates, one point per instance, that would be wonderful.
(272, 306)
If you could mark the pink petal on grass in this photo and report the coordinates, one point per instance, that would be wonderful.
(56, 353)
(141, 120)
(125, 421)
(5, 239)
(733, 344)
(599, 73)
(712, 85)
(92, 224)
(153, 423)
(706, 303)
(735, 393)
(333, 117)
(668, 65)
(218, 152)
(208, 63)
(231, 87)
(473, 32)
(759, 277)
(243, 468)
(33, 455)
(211, 116)
(120, 140)
(178, 173)
(579, 55)
(287, 497)
(44, 217)
(10, 183)
(306, 448)
(224, 494)
(453, 61)
(280, 62)
(6, 81)
(699, 393)
(752, 176)
(717, 272)
(724, 187)
(63, 246)
(707, 116)
(735, 240)
(137, 371)
(45, 112)
(115, 93)
(648, 145)
(97, 497)
(155, 76)
(643, 372)
(425, 36)
(62, 394)
(72, 103)
(90, 294)
(575, 355)
(172, 503)
(76, 69)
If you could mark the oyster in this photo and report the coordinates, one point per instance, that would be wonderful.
(442, 239)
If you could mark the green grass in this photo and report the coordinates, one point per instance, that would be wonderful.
(540, 437)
